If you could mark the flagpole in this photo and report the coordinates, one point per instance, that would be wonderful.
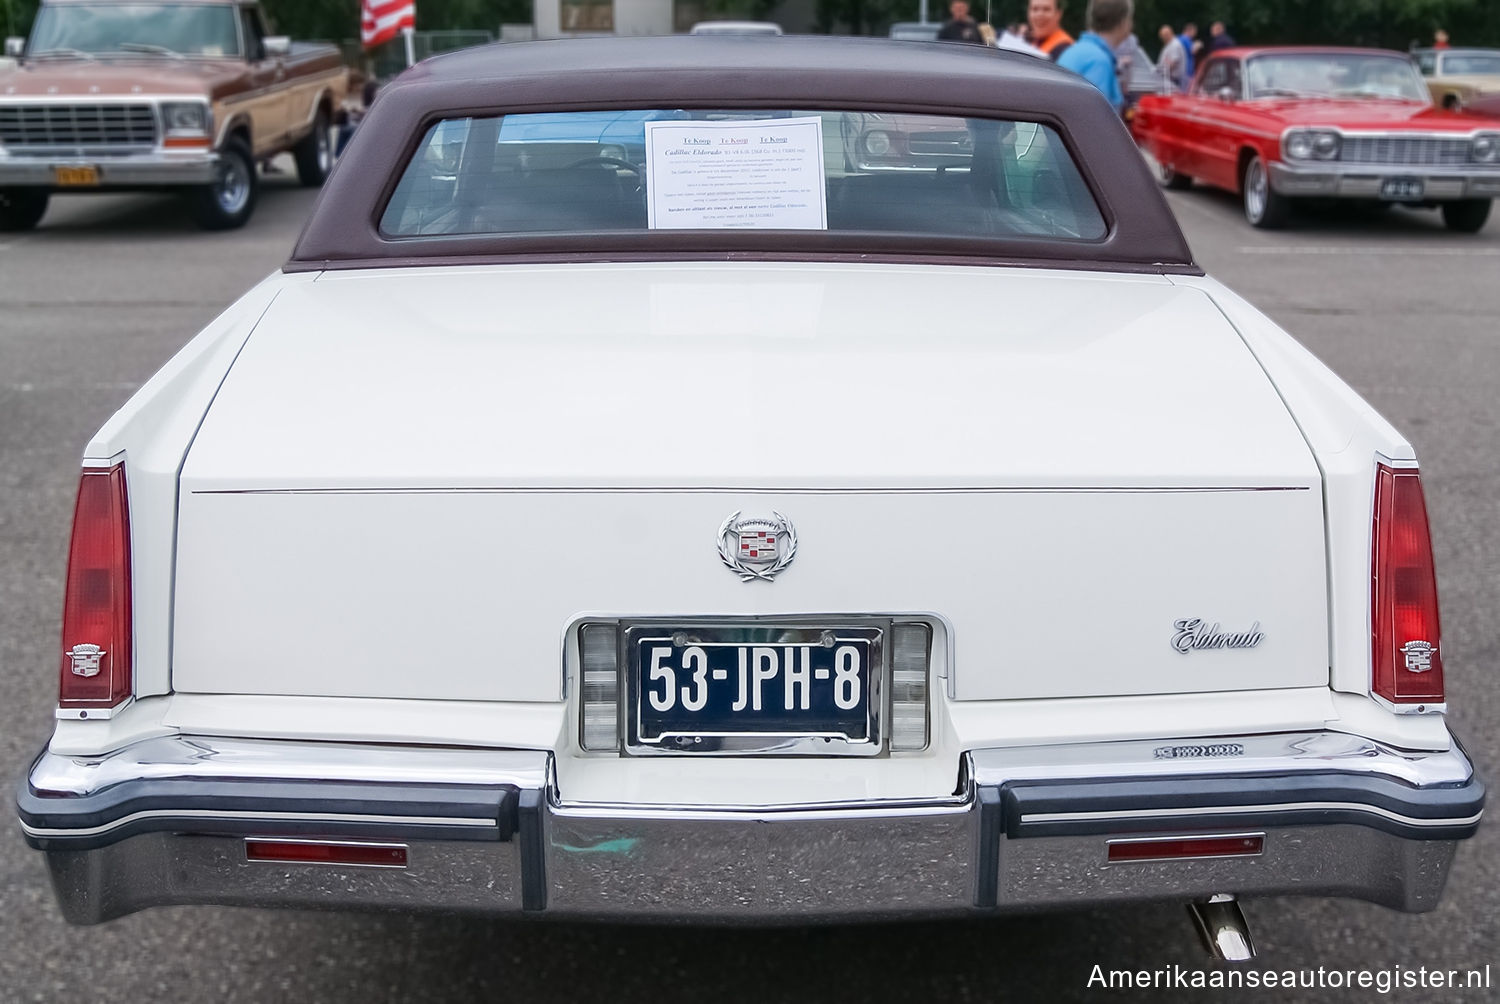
(408, 33)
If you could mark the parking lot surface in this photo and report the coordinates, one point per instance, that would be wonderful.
(93, 302)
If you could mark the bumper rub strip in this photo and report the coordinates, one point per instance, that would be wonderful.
(224, 817)
(1224, 810)
(1449, 812)
(533, 851)
(987, 868)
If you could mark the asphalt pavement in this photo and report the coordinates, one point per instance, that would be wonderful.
(109, 287)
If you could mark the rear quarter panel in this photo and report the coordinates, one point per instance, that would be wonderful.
(1347, 437)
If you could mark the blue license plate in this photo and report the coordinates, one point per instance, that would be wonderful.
(709, 689)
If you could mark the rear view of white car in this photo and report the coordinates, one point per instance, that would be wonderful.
(634, 513)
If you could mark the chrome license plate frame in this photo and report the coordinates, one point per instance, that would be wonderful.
(815, 726)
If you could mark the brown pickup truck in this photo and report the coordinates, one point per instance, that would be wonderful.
(108, 95)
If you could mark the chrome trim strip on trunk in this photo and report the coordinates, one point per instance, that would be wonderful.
(1276, 753)
(205, 758)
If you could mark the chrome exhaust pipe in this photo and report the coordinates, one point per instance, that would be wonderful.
(1222, 927)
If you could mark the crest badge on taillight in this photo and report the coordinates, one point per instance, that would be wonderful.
(1418, 656)
(86, 659)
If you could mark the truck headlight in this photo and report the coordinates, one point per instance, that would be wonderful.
(1485, 149)
(877, 143)
(185, 118)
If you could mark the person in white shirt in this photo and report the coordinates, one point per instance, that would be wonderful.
(1172, 63)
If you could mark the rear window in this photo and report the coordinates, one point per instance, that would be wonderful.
(663, 169)
(1483, 63)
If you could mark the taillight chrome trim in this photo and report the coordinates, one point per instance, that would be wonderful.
(77, 714)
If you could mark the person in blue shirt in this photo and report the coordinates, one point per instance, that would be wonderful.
(1189, 36)
(1093, 55)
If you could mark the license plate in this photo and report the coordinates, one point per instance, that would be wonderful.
(1401, 189)
(76, 177)
(766, 687)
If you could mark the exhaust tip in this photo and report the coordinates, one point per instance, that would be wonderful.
(1222, 927)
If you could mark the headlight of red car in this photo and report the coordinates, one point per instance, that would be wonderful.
(1312, 144)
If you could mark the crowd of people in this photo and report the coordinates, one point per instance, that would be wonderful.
(1109, 54)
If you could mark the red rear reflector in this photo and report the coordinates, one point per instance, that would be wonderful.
(316, 852)
(96, 671)
(1175, 848)
(1407, 665)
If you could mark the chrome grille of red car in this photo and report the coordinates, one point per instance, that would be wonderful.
(1413, 151)
(95, 127)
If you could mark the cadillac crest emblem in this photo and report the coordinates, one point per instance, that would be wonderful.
(757, 548)
(1418, 656)
(85, 659)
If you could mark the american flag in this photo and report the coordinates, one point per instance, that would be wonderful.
(382, 20)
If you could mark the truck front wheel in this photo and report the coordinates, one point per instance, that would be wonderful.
(228, 202)
(315, 153)
(22, 208)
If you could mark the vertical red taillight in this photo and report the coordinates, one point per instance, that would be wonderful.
(1407, 664)
(96, 671)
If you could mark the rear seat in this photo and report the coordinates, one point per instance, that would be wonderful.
(910, 202)
(583, 198)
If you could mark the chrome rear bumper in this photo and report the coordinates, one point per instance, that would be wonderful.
(166, 821)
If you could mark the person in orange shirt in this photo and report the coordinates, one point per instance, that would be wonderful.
(1045, 20)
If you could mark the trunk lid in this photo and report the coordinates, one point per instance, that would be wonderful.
(413, 481)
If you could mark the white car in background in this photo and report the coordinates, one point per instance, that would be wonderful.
(735, 28)
(654, 518)
(916, 31)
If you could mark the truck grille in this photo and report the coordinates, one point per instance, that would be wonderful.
(96, 126)
(1406, 151)
(942, 144)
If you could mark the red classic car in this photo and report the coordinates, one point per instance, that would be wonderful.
(1278, 125)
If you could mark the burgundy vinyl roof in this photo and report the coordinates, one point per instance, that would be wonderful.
(728, 71)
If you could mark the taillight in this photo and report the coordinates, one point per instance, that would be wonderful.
(1407, 664)
(96, 670)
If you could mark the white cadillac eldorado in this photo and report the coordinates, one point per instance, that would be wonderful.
(754, 480)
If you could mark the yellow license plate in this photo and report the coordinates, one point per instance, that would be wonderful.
(75, 177)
